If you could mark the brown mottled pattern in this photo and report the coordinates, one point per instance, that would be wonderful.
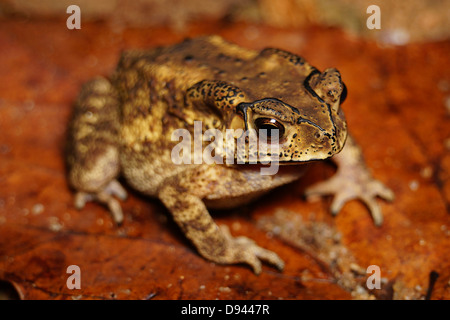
(127, 123)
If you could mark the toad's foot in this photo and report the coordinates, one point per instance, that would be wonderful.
(352, 181)
(356, 184)
(105, 196)
(245, 250)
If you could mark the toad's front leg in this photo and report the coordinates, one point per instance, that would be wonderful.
(352, 181)
(213, 243)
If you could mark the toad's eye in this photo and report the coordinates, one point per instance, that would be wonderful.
(269, 124)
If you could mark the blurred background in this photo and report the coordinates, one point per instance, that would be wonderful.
(402, 21)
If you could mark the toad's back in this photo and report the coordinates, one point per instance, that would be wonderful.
(152, 84)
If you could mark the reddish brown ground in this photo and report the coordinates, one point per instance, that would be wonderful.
(397, 108)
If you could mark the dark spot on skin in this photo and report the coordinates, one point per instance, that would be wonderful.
(294, 136)
(221, 56)
(188, 58)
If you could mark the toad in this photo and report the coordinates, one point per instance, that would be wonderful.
(123, 126)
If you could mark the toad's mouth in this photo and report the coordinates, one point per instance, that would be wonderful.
(294, 162)
(284, 162)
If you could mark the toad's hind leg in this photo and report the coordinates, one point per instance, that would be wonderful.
(93, 155)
